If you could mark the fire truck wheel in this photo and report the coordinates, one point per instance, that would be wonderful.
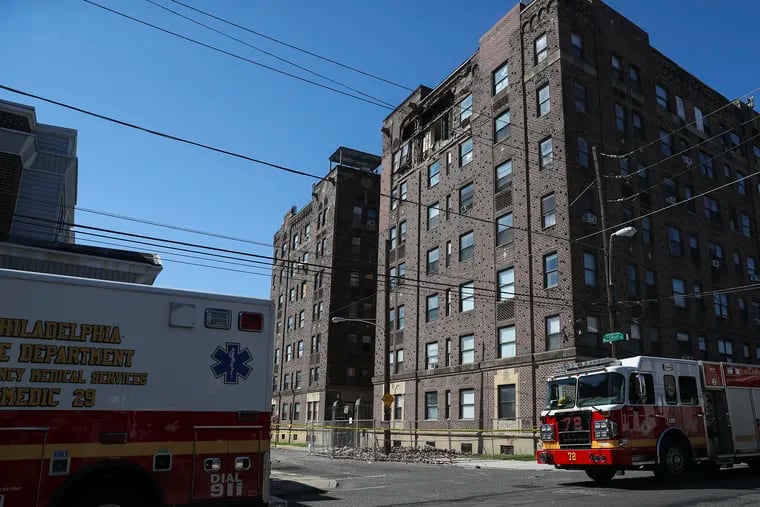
(601, 475)
(675, 462)
(112, 496)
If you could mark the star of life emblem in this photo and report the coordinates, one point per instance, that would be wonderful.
(231, 363)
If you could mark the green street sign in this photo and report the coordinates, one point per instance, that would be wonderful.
(614, 337)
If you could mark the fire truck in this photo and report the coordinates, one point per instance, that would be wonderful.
(670, 416)
(131, 396)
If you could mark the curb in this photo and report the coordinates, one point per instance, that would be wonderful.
(502, 464)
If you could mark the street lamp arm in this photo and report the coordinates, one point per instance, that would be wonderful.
(338, 320)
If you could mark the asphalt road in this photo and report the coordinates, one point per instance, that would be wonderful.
(305, 480)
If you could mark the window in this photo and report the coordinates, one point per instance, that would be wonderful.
(465, 108)
(751, 267)
(706, 165)
(583, 152)
(543, 99)
(548, 211)
(746, 225)
(694, 246)
(720, 304)
(638, 125)
(503, 176)
(589, 269)
(699, 120)
(290, 323)
(299, 348)
(500, 78)
(434, 174)
(393, 275)
(276, 356)
(431, 355)
(432, 308)
(301, 319)
(507, 342)
(431, 405)
(507, 402)
(506, 282)
(315, 344)
(665, 143)
(286, 381)
(620, 117)
(680, 109)
(726, 350)
(466, 197)
(592, 329)
(541, 49)
(465, 153)
(399, 360)
(632, 281)
(433, 215)
(467, 404)
(551, 270)
(580, 97)
(466, 246)
(553, 333)
(576, 42)
(394, 237)
(467, 297)
(398, 406)
(504, 232)
(712, 211)
(671, 397)
(635, 78)
(679, 293)
(715, 251)
(467, 349)
(292, 295)
(734, 140)
(394, 198)
(297, 380)
(662, 96)
(546, 153)
(501, 126)
(401, 317)
(617, 68)
(674, 241)
(741, 183)
(432, 261)
(648, 382)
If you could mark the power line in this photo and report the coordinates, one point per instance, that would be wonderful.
(664, 208)
(330, 271)
(233, 55)
(681, 128)
(268, 53)
(334, 62)
(164, 135)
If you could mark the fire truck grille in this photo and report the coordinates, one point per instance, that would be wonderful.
(574, 429)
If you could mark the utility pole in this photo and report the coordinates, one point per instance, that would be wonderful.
(605, 248)
(386, 361)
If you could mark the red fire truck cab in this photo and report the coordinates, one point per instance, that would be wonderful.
(651, 413)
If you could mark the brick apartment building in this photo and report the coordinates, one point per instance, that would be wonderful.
(501, 284)
(326, 266)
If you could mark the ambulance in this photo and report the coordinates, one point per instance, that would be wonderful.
(130, 395)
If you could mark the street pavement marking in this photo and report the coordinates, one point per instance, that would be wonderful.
(359, 489)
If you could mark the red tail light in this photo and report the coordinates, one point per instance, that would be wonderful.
(249, 321)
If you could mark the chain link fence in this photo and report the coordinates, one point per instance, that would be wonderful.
(335, 438)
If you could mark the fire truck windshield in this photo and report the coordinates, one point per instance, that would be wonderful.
(586, 391)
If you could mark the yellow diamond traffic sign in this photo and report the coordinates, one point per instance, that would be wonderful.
(388, 399)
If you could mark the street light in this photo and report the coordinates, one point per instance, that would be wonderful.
(386, 378)
(625, 232)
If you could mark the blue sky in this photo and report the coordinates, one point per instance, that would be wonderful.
(74, 52)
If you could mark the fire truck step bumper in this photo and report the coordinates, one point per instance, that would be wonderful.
(584, 457)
